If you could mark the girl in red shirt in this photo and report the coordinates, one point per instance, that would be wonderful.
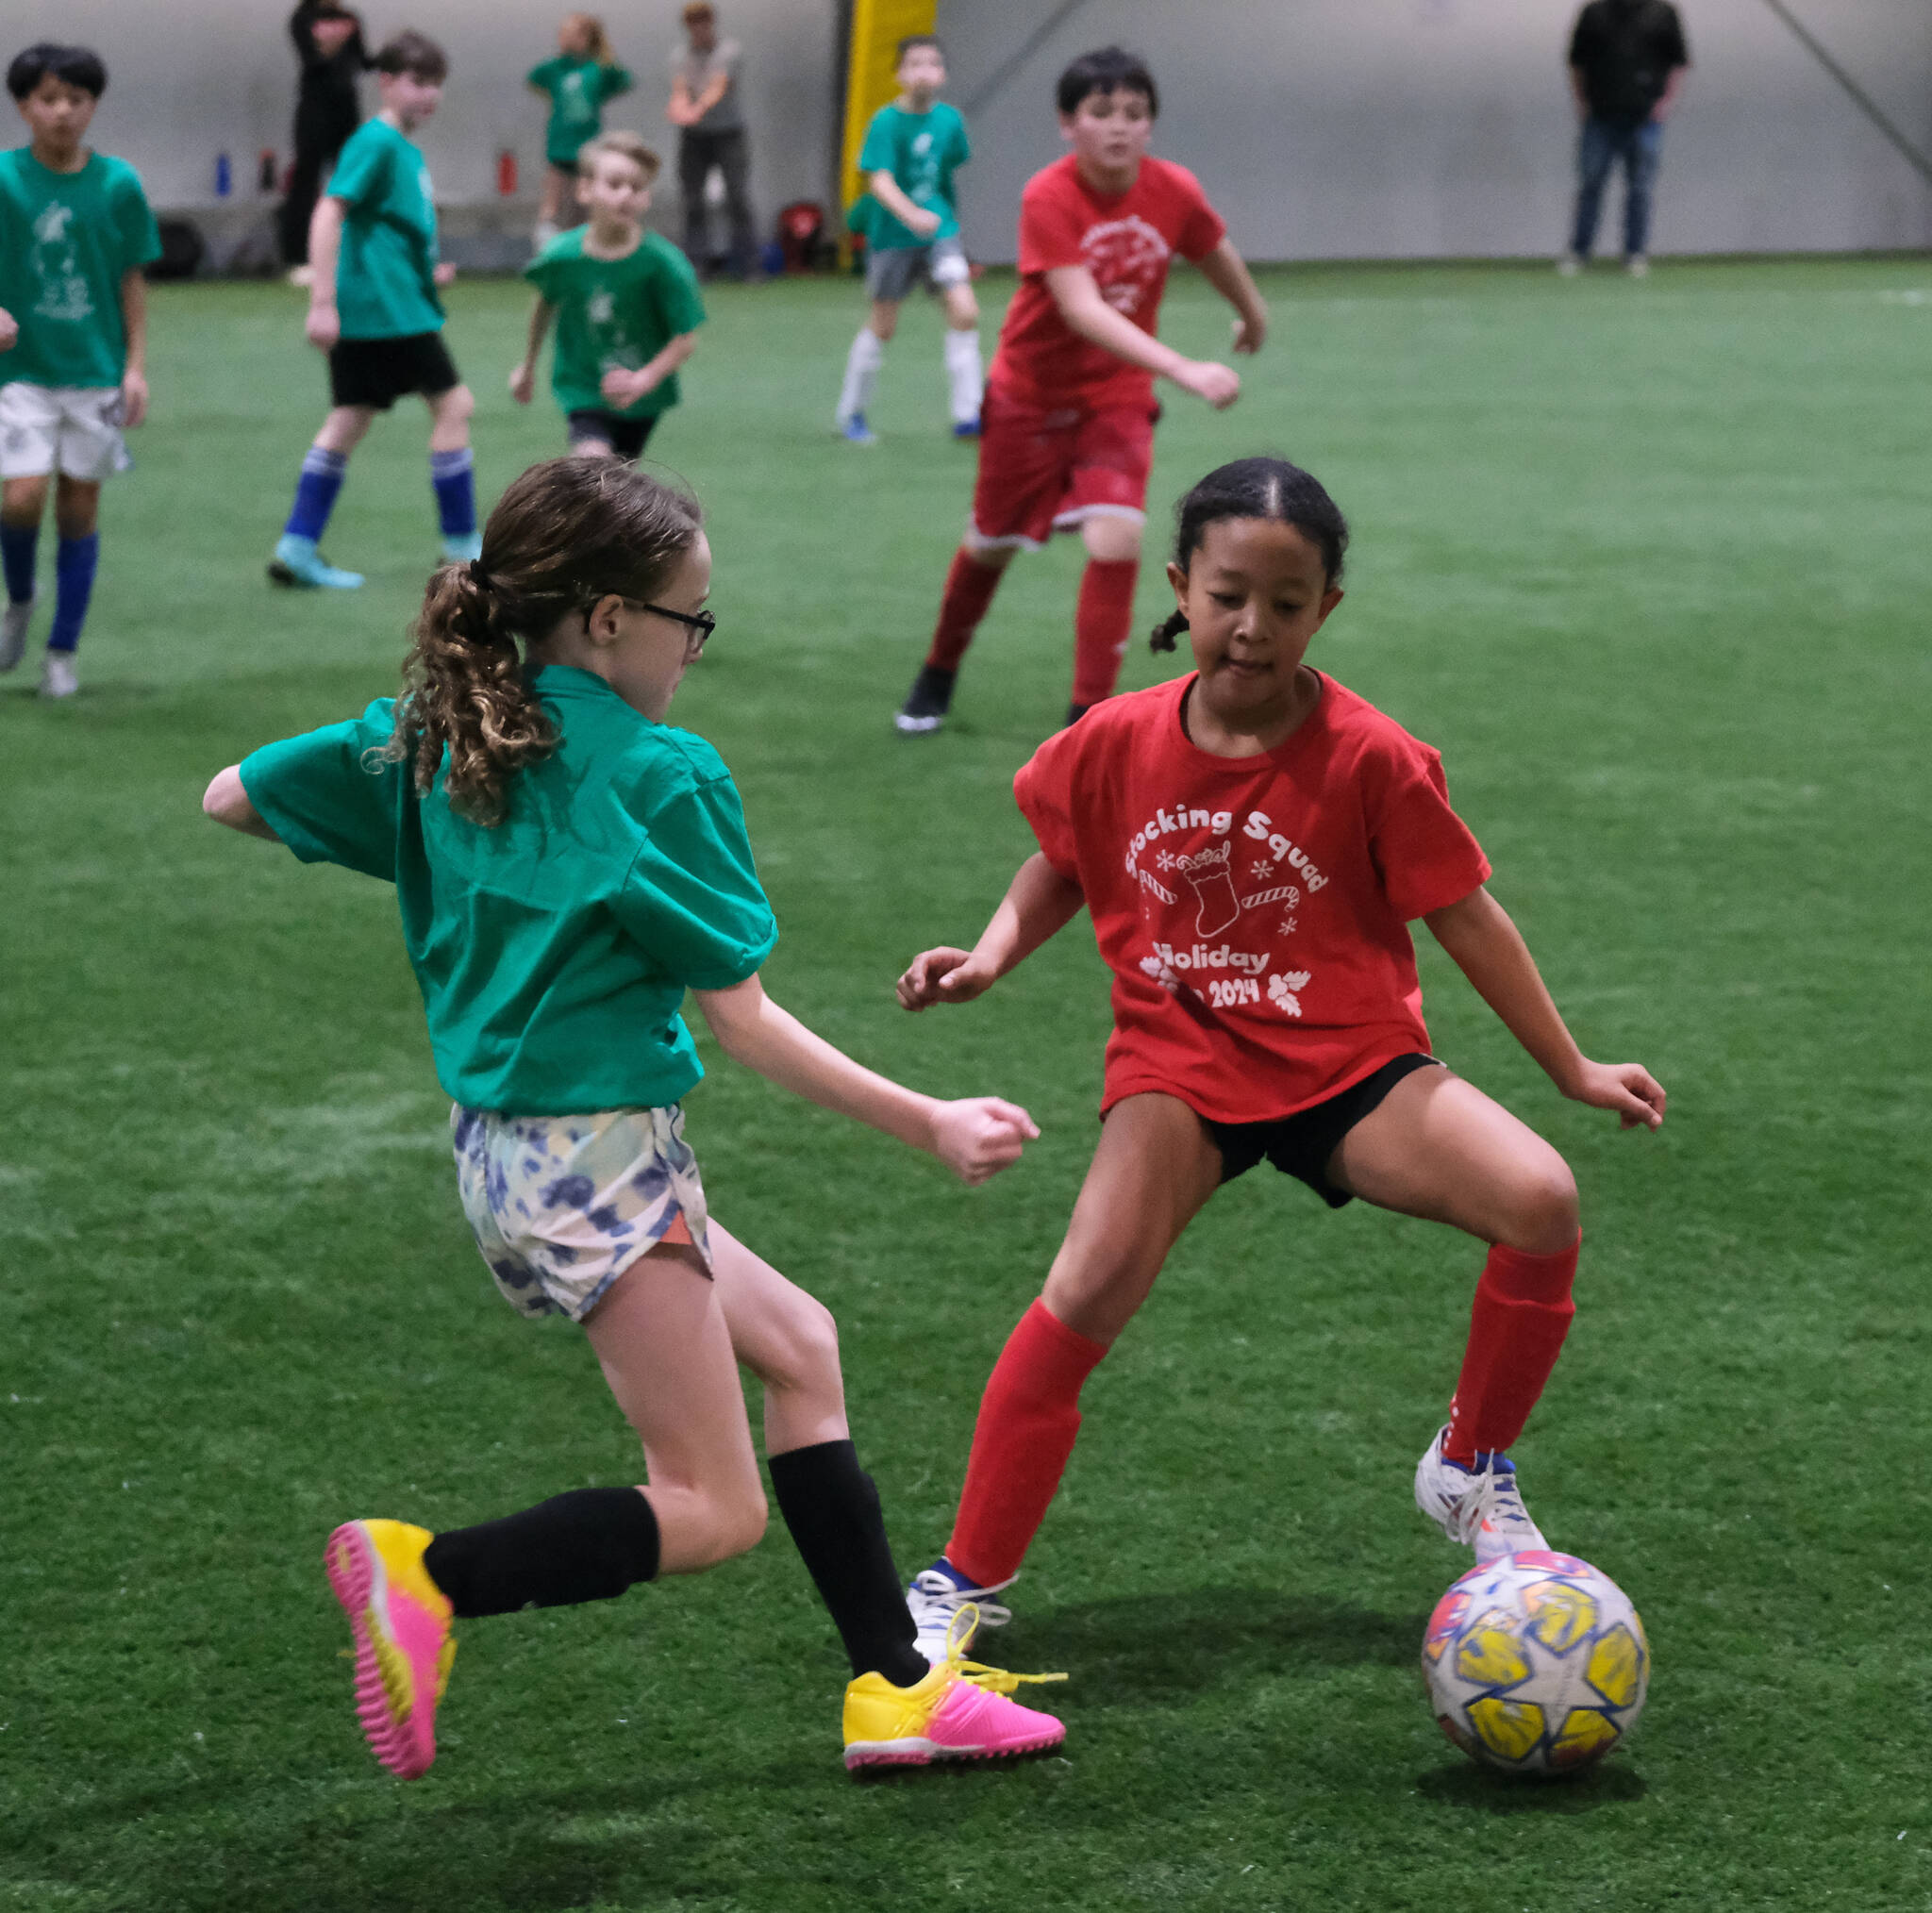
(1252, 842)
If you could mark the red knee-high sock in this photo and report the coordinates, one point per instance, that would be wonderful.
(970, 587)
(1516, 1328)
(1100, 627)
(1028, 1417)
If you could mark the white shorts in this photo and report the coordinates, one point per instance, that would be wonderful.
(70, 428)
(561, 1205)
(893, 273)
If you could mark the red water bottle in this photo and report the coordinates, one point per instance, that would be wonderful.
(507, 174)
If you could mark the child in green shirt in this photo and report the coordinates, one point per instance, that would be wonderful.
(625, 303)
(912, 149)
(577, 83)
(75, 233)
(373, 309)
(568, 866)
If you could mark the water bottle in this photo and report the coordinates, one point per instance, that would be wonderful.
(225, 176)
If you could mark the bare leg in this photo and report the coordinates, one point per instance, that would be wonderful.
(344, 428)
(22, 501)
(788, 1340)
(77, 506)
(449, 419)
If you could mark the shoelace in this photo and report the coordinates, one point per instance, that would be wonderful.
(1492, 1496)
(932, 1594)
(995, 1680)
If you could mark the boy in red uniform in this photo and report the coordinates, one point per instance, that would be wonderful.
(1067, 428)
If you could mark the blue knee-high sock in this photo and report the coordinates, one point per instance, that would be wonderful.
(315, 491)
(451, 474)
(75, 560)
(18, 544)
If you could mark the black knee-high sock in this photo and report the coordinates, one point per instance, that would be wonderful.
(590, 1544)
(832, 1508)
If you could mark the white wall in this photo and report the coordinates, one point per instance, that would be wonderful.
(1395, 129)
(190, 79)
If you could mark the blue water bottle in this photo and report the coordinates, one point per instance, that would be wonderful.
(225, 176)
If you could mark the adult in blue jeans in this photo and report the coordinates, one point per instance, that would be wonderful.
(1628, 62)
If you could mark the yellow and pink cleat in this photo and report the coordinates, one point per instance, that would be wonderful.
(403, 1644)
(959, 1711)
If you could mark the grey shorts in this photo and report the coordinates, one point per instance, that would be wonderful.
(893, 273)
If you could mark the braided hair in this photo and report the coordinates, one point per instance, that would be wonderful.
(1255, 488)
(568, 532)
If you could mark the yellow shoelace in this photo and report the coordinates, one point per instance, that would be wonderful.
(995, 1680)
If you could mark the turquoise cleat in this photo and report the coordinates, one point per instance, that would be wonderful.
(297, 562)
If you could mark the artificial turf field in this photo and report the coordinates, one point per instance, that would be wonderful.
(1648, 562)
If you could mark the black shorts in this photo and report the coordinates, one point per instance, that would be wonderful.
(378, 372)
(627, 437)
(1300, 1145)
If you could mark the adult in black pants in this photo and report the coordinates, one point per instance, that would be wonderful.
(328, 43)
(705, 75)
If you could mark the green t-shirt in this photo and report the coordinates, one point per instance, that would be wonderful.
(553, 949)
(577, 90)
(66, 239)
(386, 271)
(922, 152)
(614, 315)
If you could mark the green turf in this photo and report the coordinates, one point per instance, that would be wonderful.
(1648, 562)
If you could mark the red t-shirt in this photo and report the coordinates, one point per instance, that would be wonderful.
(1125, 241)
(1253, 910)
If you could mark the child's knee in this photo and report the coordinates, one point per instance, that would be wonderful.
(883, 323)
(1543, 1214)
(738, 1523)
(802, 1355)
(455, 405)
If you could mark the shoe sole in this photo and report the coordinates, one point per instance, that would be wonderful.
(385, 1685)
(915, 726)
(924, 1753)
(279, 573)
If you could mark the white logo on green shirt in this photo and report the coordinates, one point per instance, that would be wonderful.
(56, 265)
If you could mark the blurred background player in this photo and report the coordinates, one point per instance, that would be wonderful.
(1252, 842)
(374, 309)
(1066, 426)
(912, 148)
(75, 233)
(1628, 62)
(577, 82)
(626, 302)
(328, 43)
(706, 107)
(568, 865)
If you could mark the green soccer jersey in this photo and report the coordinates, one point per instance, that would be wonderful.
(614, 315)
(577, 90)
(386, 269)
(66, 240)
(553, 949)
(922, 152)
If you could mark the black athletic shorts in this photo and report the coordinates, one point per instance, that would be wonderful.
(378, 372)
(1300, 1145)
(627, 437)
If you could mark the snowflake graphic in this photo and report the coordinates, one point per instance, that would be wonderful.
(1287, 927)
(1262, 868)
(1282, 991)
(1165, 859)
(1161, 974)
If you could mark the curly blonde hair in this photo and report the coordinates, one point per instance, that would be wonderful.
(568, 532)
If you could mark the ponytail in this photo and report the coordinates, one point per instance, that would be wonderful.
(1164, 633)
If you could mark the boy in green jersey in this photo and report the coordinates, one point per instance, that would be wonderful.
(577, 83)
(75, 233)
(912, 148)
(625, 303)
(373, 307)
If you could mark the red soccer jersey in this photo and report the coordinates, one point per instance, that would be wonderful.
(1126, 242)
(1254, 910)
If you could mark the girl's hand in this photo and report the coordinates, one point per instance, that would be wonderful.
(1219, 384)
(324, 326)
(944, 976)
(523, 384)
(978, 1135)
(444, 274)
(10, 330)
(1630, 1088)
(133, 400)
(622, 389)
(1249, 333)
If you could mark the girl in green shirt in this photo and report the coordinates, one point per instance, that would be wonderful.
(577, 83)
(567, 866)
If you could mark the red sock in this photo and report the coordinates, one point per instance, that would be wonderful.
(1101, 625)
(1028, 1417)
(1516, 1328)
(969, 586)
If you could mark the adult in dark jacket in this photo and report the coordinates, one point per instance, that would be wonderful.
(328, 43)
(1628, 62)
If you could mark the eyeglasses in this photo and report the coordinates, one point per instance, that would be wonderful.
(699, 624)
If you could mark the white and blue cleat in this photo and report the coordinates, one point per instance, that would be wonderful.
(298, 563)
(1480, 1507)
(855, 430)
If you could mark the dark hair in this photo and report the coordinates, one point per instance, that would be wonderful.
(414, 54)
(568, 532)
(1255, 488)
(1105, 70)
(913, 40)
(79, 66)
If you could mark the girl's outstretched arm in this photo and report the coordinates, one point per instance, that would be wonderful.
(227, 802)
(1039, 902)
(1490, 951)
(975, 1137)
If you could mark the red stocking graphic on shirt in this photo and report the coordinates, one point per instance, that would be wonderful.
(1207, 870)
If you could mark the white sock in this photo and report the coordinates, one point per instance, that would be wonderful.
(861, 372)
(963, 375)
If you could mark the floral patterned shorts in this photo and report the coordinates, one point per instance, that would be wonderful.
(561, 1205)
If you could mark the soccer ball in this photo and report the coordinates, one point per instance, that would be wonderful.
(1536, 1664)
